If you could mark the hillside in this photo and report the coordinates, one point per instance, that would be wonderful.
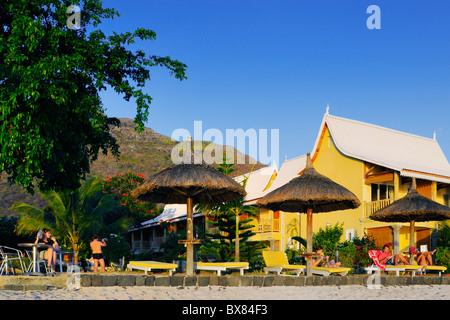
(146, 153)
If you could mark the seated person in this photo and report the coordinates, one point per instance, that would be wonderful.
(424, 258)
(387, 259)
(50, 255)
(324, 261)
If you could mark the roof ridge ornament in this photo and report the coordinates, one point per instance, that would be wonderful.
(434, 135)
(309, 164)
(328, 109)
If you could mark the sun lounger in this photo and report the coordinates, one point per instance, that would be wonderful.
(377, 266)
(209, 263)
(221, 266)
(151, 265)
(323, 271)
(434, 268)
(276, 261)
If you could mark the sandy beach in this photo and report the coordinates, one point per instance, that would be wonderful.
(413, 292)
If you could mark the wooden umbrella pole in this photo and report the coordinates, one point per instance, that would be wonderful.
(411, 241)
(309, 242)
(190, 237)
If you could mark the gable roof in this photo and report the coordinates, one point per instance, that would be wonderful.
(288, 171)
(411, 155)
(257, 181)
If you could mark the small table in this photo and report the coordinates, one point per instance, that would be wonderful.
(35, 263)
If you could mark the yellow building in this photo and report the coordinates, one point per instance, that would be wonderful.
(373, 162)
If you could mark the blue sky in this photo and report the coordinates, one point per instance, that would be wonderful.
(277, 64)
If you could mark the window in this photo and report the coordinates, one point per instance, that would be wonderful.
(349, 234)
(447, 199)
(382, 191)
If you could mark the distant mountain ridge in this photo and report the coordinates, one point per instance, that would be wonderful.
(146, 153)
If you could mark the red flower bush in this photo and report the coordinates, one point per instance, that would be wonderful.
(121, 186)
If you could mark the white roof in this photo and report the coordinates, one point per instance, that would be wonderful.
(389, 148)
(257, 181)
(288, 171)
(172, 212)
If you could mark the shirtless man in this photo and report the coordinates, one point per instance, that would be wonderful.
(96, 247)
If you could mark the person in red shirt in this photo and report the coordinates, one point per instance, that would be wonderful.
(386, 257)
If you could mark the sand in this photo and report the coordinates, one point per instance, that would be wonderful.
(413, 292)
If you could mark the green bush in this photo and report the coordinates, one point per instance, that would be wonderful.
(354, 253)
(443, 248)
(116, 248)
(443, 257)
(329, 238)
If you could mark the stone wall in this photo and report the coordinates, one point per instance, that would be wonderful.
(253, 280)
(123, 279)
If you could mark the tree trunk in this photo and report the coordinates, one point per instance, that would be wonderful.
(236, 248)
(309, 241)
(190, 245)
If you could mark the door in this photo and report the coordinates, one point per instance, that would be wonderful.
(382, 235)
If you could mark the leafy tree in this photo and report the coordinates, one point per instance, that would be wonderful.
(75, 216)
(52, 120)
(7, 236)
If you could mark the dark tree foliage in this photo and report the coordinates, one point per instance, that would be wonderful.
(52, 120)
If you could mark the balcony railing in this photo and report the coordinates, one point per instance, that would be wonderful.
(373, 206)
(268, 225)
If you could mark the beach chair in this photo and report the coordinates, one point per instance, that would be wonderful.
(377, 266)
(212, 265)
(152, 265)
(439, 269)
(9, 255)
(276, 261)
(324, 271)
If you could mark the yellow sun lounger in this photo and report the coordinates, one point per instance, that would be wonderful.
(434, 268)
(150, 265)
(221, 266)
(323, 271)
(276, 261)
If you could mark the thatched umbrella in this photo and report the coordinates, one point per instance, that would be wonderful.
(189, 183)
(412, 208)
(311, 193)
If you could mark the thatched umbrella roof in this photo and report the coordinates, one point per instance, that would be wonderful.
(311, 190)
(412, 207)
(202, 182)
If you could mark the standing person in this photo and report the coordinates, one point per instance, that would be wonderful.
(50, 255)
(96, 247)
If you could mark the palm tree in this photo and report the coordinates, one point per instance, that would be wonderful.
(74, 216)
